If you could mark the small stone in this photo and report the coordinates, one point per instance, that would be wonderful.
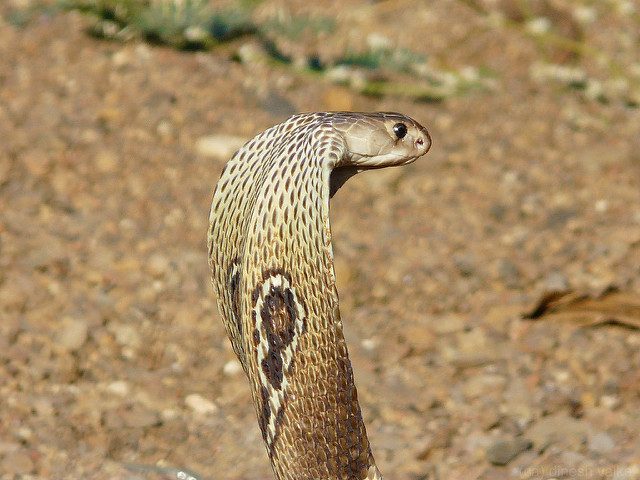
(125, 335)
(119, 387)
(165, 129)
(483, 385)
(556, 282)
(448, 324)
(122, 58)
(231, 368)
(465, 264)
(73, 334)
(503, 451)
(169, 414)
(600, 443)
(37, 162)
(16, 463)
(106, 162)
(420, 338)
(508, 272)
(377, 41)
(612, 402)
(558, 427)
(559, 217)
(200, 405)
(369, 344)
(158, 265)
(219, 146)
(252, 53)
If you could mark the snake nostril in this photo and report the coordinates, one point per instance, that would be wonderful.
(419, 142)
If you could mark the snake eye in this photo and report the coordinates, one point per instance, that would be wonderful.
(400, 129)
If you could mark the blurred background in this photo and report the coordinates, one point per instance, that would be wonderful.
(490, 291)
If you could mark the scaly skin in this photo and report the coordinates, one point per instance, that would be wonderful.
(270, 252)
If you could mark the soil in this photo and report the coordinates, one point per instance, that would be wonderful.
(114, 363)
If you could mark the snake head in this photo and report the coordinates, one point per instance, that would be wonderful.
(382, 139)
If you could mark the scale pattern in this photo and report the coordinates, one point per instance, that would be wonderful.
(270, 252)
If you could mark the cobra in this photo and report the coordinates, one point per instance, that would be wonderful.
(270, 252)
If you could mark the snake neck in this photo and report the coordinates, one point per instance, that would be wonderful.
(295, 351)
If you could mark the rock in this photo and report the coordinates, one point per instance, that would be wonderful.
(219, 146)
(555, 428)
(448, 324)
(73, 334)
(16, 463)
(231, 368)
(612, 402)
(252, 53)
(200, 405)
(503, 451)
(377, 41)
(600, 443)
(420, 338)
(106, 161)
(119, 387)
(556, 282)
(158, 265)
(559, 217)
(509, 272)
(37, 162)
(125, 335)
(465, 263)
(482, 385)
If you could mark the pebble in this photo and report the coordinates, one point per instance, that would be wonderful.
(483, 385)
(106, 161)
(219, 146)
(420, 338)
(231, 368)
(612, 402)
(73, 335)
(37, 162)
(503, 451)
(252, 53)
(200, 405)
(125, 335)
(558, 427)
(448, 324)
(158, 265)
(119, 387)
(600, 443)
(556, 282)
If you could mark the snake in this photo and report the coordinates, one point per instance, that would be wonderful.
(271, 258)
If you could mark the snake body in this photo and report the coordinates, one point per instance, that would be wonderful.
(270, 252)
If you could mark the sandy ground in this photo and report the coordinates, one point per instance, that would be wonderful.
(113, 359)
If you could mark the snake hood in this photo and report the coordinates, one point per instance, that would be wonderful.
(381, 139)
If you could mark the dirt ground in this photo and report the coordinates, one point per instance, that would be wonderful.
(113, 359)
